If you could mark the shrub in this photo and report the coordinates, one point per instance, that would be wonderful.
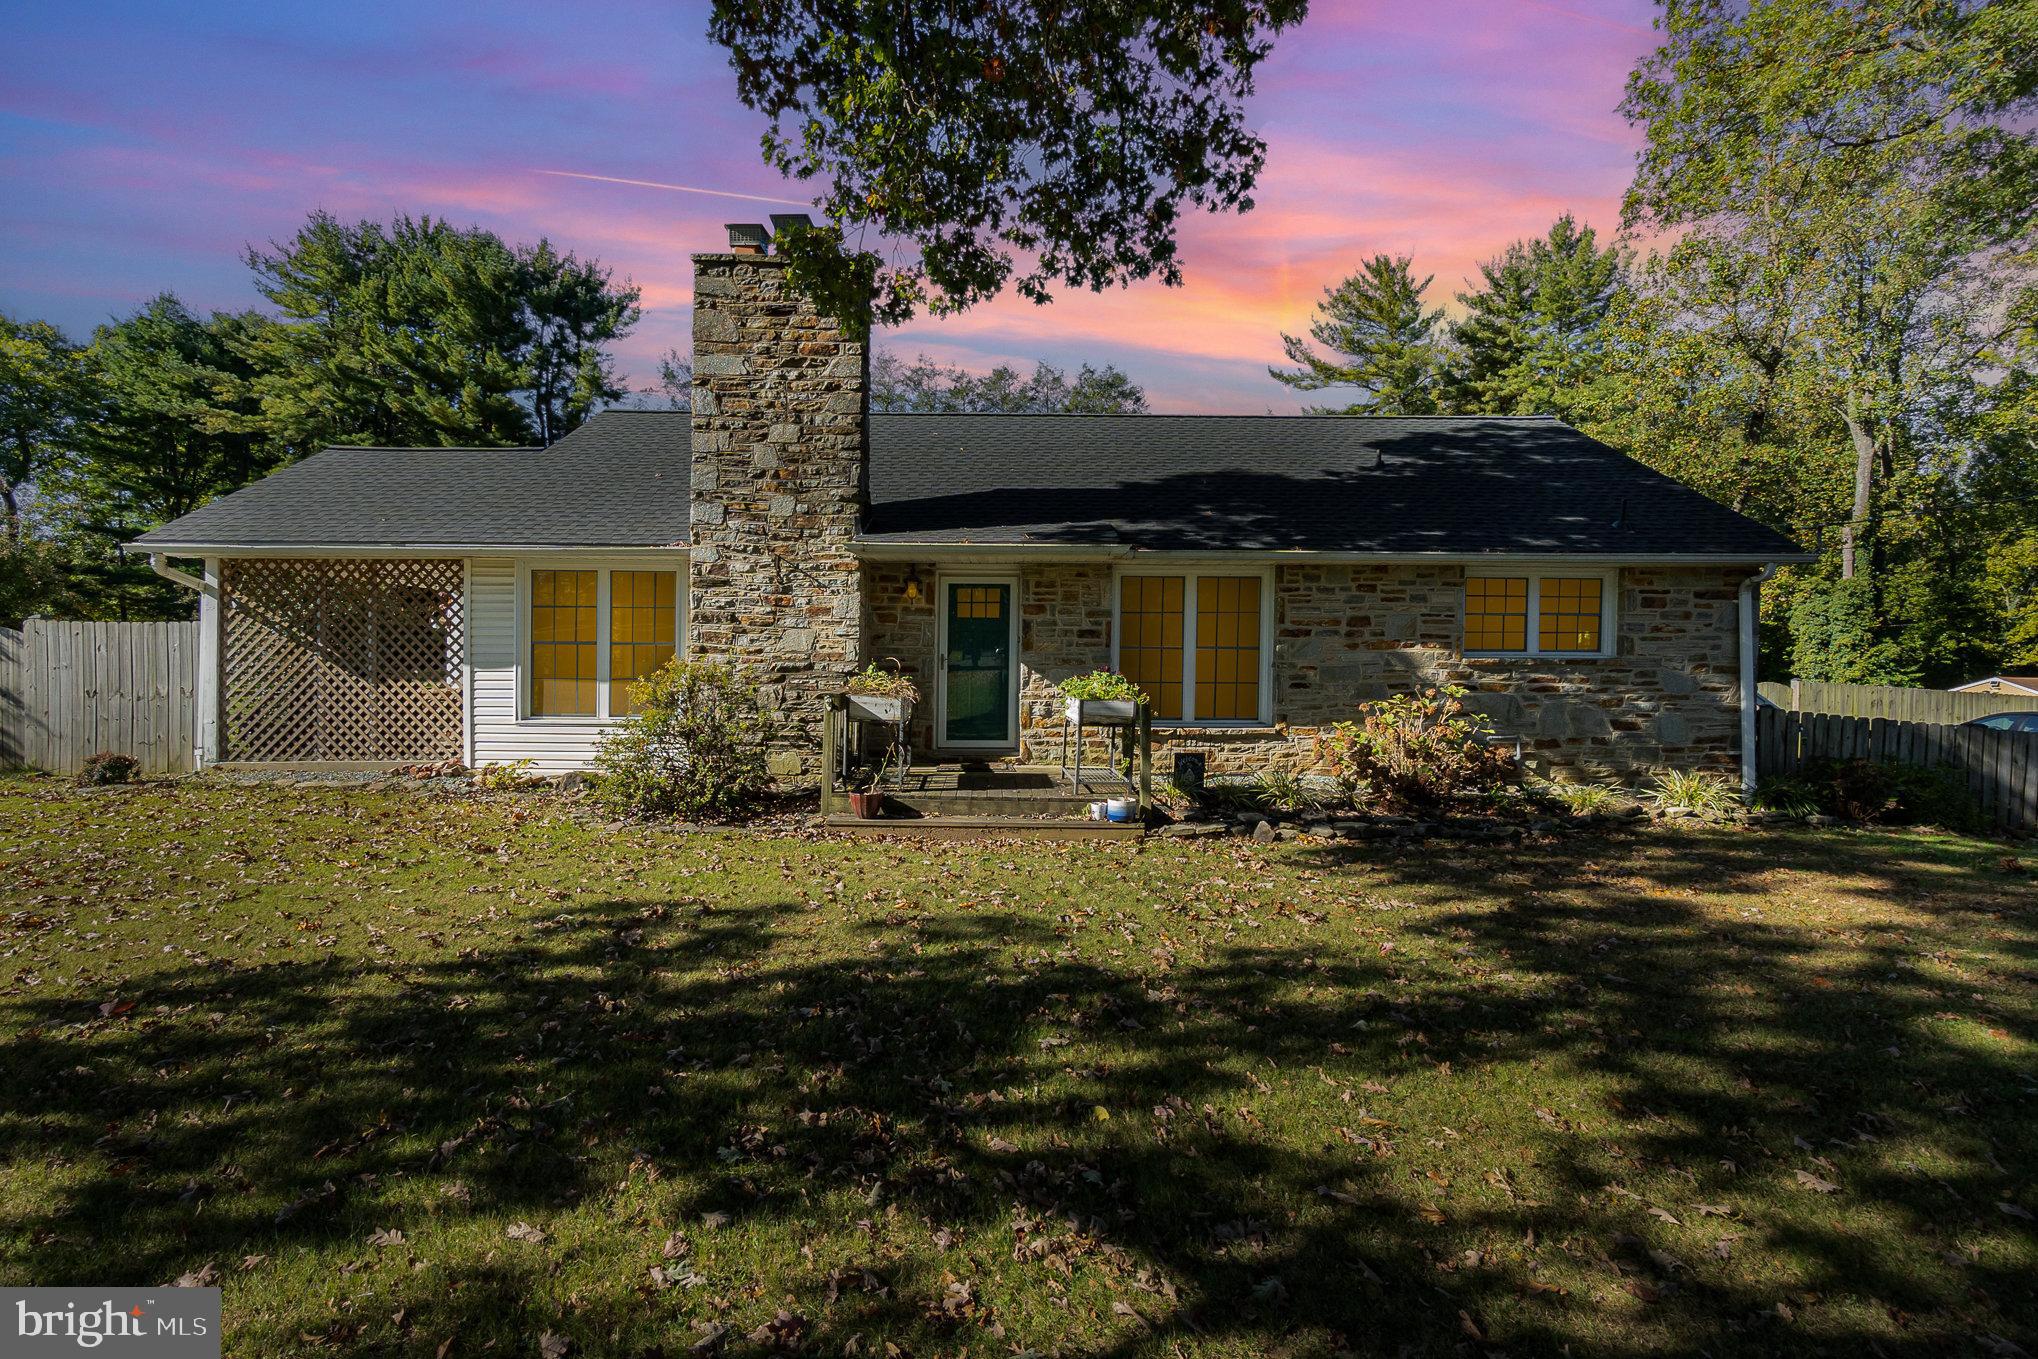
(503, 778)
(1581, 799)
(1696, 789)
(1100, 684)
(1789, 794)
(694, 747)
(1282, 791)
(1417, 751)
(1886, 794)
(108, 768)
(879, 683)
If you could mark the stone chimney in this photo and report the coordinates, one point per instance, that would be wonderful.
(779, 485)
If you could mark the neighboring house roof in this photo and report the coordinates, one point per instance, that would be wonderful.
(611, 483)
(1335, 483)
(2027, 684)
(1357, 485)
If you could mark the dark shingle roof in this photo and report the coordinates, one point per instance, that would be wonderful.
(1348, 484)
(617, 481)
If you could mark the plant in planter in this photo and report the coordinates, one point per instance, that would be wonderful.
(879, 695)
(867, 799)
(1102, 698)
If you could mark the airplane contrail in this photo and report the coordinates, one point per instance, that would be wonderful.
(676, 188)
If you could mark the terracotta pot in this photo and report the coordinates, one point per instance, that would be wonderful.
(867, 806)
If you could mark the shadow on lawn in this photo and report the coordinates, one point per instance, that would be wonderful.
(677, 1035)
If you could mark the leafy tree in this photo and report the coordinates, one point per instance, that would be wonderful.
(924, 386)
(1531, 339)
(675, 381)
(977, 135)
(177, 422)
(1872, 157)
(1385, 342)
(42, 393)
(422, 333)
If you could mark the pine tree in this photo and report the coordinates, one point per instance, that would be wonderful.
(1386, 342)
(1531, 338)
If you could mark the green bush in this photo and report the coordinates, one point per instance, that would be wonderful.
(1884, 794)
(1696, 789)
(694, 747)
(108, 768)
(1417, 751)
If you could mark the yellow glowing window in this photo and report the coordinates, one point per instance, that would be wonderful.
(1228, 648)
(1150, 624)
(979, 601)
(641, 630)
(1567, 615)
(1496, 613)
(563, 618)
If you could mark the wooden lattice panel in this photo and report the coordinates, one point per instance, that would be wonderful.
(340, 659)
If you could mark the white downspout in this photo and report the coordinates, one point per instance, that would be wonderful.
(205, 740)
(1750, 606)
(160, 564)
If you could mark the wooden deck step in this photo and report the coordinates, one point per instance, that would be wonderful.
(986, 827)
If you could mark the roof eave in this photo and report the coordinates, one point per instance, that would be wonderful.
(898, 550)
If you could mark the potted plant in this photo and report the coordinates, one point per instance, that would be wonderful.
(879, 695)
(1102, 698)
(867, 799)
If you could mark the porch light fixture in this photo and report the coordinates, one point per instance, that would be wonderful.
(912, 584)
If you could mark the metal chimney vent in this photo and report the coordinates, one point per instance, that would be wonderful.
(748, 238)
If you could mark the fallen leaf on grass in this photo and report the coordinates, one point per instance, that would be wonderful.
(524, 1231)
(1818, 1186)
(388, 1236)
(205, 1276)
(552, 1346)
(113, 1009)
(2014, 1210)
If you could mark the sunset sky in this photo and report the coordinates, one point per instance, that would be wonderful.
(143, 145)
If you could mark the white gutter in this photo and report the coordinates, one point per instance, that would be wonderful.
(159, 563)
(1750, 605)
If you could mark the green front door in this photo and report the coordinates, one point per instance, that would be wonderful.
(978, 665)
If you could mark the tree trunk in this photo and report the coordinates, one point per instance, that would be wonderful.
(13, 512)
(1864, 480)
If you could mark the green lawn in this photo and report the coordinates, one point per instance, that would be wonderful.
(439, 1076)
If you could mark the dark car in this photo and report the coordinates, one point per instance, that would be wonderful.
(2006, 722)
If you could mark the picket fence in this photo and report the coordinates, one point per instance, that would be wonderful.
(2001, 767)
(70, 690)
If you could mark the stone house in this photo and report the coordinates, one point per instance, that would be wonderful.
(1259, 576)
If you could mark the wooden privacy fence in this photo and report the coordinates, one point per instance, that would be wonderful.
(70, 690)
(1889, 700)
(2001, 767)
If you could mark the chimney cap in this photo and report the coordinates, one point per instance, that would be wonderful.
(781, 220)
(747, 238)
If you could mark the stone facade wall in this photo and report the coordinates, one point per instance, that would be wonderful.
(778, 484)
(1347, 634)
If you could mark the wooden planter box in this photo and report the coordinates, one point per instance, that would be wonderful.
(879, 708)
(1103, 712)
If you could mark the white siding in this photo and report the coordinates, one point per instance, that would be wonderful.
(494, 653)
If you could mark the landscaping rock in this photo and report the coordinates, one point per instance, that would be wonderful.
(1322, 830)
(575, 781)
(1192, 830)
(1285, 833)
(1263, 831)
(1821, 820)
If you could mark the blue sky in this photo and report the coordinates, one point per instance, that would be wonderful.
(144, 146)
